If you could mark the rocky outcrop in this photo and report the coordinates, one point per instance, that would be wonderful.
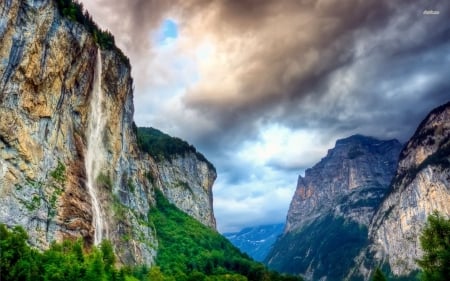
(187, 182)
(332, 208)
(421, 185)
(350, 182)
(48, 69)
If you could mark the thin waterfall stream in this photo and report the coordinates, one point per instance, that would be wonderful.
(94, 157)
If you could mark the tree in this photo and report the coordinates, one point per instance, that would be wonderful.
(95, 266)
(17, 260)
(435, 243)
(155, 274)
(108, 255)
(378, 275)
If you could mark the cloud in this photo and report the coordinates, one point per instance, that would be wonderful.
(244, 77)
(243, 205)
(271, 58)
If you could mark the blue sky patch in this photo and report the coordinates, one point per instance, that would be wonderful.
(167, 32)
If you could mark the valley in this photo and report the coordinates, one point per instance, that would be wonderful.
(92, 189)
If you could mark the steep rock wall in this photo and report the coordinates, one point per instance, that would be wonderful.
(49, 67)
(350, 182)
(47, 70)
(187, 182)
(421, 185)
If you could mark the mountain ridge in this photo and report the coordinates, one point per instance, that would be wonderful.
(390, 237)
(421, 186)
(332, 207)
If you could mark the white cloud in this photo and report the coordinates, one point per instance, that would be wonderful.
(272, 164)
(286, 148)
(263, 199)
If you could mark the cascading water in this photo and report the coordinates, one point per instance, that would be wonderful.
(94, 157)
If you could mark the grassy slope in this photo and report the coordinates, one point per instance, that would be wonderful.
(188, 249)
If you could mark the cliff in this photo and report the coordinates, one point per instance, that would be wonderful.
(332, 208)
(184, 175)
(421, 185)
(187, 183)
(350, 182)
(70, 165)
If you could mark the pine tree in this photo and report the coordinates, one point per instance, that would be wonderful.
(378, 275)
(435, 243)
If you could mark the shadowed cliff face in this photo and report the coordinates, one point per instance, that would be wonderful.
(47, 69)
(421, 185)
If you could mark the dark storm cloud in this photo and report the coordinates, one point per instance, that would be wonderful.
(284, 56)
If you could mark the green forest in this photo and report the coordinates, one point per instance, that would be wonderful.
(331, 235)
(187, 251)
(190, 251)
(164, 147)
(75, 12)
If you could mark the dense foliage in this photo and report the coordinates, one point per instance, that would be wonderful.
(74, 11)
(162, 146)
(190, 251)
(328, 245)
(435, 242)
(66, 261)
(378, 275)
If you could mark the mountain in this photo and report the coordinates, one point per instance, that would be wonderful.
(186, 176)
(330, 212)
(70, 162)
(80, 183)
(421, 185)
(256, 241)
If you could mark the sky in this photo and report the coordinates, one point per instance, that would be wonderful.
(264, 88)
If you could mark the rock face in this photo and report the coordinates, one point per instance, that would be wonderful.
(350, 182)
(421, 185)
(48, 65)
(332, 208)
(187, 182)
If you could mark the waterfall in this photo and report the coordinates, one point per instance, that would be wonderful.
(94, 157)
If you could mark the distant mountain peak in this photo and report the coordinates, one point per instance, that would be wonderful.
(256, 241)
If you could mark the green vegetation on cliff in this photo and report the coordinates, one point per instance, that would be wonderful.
(435, 242)
(325, 246)
(164, 147)
(187, 251)
(190, 251)
(74, 11)
(378, 275)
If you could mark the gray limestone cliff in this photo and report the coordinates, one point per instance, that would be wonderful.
(332, 207)
(350, 182)
(187, 183)
(52, 72)
(421, 185)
